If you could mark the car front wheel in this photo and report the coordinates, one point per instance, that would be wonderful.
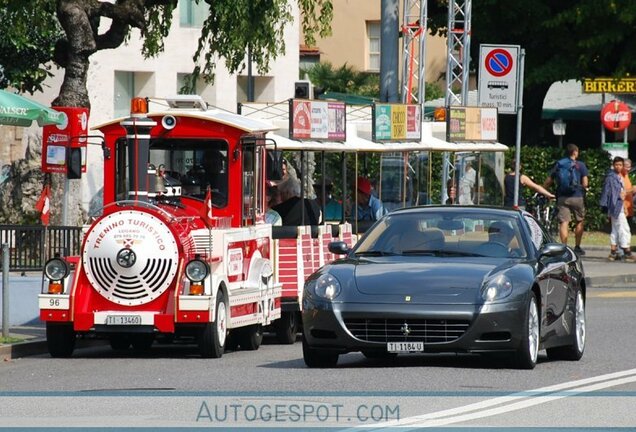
(315, 358)
(528, 351)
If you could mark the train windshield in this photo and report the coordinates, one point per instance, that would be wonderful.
(195, 165)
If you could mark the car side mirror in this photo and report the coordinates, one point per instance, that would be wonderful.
(338, 248)
(553, 250)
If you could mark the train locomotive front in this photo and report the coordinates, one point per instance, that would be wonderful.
(168, 257)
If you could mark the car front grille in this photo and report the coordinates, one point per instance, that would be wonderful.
(430, 331)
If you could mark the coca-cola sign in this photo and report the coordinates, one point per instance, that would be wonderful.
(616, 116)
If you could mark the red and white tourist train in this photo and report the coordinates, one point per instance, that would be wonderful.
(181, 247)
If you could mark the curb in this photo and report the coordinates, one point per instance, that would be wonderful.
(39, 347)
(23, 349)
(622, 281)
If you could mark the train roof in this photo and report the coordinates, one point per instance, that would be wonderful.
(195, 107)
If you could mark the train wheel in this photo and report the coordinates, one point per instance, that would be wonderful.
(120, 342)
(142, 342)
(60, 339)
(286, 328)
(251, 337)
(213, 336)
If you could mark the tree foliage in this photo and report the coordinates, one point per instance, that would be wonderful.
(565, 39)
(68, 32)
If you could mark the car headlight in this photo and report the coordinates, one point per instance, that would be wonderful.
(326, 286)
(496, 288)
(56, 269)
(196, 270)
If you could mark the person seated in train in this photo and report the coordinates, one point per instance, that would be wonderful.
(370, 208)
(272, 199)
(332, 208)
(290, 208)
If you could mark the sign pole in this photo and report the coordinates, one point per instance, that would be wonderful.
(522, 56)
(5, 290)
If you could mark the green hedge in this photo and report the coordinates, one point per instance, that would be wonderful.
(537, 161)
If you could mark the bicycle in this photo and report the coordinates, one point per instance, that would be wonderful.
(545, 211)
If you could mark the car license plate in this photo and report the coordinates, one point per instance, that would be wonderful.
(404, 347)
(123, 320)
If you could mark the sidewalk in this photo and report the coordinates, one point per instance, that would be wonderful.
(599, 273)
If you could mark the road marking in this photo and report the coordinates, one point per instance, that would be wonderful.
(616, 294)
(513, 402)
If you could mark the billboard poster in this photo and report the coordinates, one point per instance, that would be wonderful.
(467, 124)
(317, 120)
(337, 123)
(301, 120)
(397, 122)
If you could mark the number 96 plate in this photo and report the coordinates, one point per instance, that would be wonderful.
(404, 347)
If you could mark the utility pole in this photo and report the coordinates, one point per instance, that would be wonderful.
(389, 51)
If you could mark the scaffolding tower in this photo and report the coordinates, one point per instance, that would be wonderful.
(457, 69)
(413, 31)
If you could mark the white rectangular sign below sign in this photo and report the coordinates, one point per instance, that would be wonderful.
(499, 77)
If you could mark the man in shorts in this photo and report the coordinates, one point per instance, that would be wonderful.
(571, 204)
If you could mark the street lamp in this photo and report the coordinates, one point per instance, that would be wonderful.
(558, 129)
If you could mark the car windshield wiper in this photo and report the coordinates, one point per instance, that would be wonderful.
(437, 252)
(375, 253)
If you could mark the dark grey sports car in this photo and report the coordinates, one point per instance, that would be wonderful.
(448, 279)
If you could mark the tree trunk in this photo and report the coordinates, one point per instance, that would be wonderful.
(73, 53)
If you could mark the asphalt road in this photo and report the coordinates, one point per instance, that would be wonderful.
(172, 386)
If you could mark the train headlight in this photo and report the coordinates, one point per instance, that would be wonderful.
(56, 269)
(196, 270)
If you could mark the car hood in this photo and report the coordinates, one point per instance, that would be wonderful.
(433, 281)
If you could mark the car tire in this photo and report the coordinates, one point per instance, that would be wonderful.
(251, 337)
(213, 336)
(527, 353)
(315, 358)
(575, 351)
(60, 339)
(286, 328)
(120, 342)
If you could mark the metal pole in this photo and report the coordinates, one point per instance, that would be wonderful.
(250, 76)
(522, 56)
(389, 55)
(5, 290)
(67, 185)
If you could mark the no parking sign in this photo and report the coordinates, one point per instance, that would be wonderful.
(498, 77)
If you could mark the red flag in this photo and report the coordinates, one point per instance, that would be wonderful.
(44, 205)
(206, 213)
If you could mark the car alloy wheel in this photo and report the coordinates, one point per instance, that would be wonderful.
(526, 356)
(575, 350)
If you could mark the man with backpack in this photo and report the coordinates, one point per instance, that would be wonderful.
(571, 179)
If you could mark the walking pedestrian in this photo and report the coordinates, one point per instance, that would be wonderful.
(613, 203)
(524, 180)
(571, 178)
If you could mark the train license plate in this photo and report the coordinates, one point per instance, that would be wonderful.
(123, 320)
(404, 347)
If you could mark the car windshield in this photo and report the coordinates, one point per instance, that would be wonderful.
(448, 234)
